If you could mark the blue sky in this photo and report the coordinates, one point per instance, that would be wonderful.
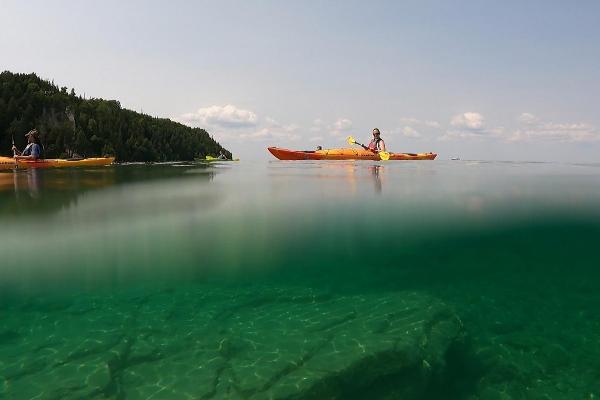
(474, 79)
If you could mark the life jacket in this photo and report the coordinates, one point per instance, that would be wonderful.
(29, 150)
(374, 144)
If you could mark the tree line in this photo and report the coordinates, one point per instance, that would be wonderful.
(71, 126)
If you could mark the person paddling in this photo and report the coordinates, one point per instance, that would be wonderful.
(33, 150)
(377, 144)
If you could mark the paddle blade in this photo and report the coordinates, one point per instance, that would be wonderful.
(210, 158)
(351, 140)
(384, 155)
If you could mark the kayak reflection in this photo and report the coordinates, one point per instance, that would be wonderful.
(27, 181)
(50, 190)
(40, 191)
(353, 174)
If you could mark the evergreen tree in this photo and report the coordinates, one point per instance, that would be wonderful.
(70, 125)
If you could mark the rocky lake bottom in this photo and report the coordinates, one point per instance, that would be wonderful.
(199, 341)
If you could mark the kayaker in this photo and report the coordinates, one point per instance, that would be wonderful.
(33, 150)
(377, 144)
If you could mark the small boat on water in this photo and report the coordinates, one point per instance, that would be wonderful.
(214, 159)
(344, 154)
(11, 163)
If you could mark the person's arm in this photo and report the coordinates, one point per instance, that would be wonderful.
(381, 145)
(16, 152)
(30, 157)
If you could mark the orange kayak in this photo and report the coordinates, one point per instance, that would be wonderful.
(9, 163)
(344, 154)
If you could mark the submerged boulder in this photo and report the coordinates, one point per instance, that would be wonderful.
(251, 343)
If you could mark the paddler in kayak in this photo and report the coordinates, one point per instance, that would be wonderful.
(33, 150)
(377, 144)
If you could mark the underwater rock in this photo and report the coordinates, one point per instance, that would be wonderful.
(278, 345)
(250, 343)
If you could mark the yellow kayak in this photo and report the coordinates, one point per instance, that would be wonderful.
(344, 154)
(11, 163)
(214, 159)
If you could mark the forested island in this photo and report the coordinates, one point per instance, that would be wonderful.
(71, 126)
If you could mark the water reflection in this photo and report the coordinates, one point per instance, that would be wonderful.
(376, 178)
(33, 183)
(46, 191)
(21, 182)
(338, 177)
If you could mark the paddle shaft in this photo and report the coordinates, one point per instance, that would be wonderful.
(364, 147)
(14, 152)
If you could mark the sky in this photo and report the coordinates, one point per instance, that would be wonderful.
(482, 80)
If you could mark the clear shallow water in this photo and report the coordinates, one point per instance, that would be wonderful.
(289, 280)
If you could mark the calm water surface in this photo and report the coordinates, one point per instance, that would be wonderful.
(301, 280)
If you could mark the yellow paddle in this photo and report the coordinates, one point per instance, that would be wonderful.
(383, 155)
(351, 140)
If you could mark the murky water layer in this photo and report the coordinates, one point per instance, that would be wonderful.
(341, 280)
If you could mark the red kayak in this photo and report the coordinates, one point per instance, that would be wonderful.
(344, 154)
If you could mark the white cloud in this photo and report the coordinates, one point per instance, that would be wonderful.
(273, 130)
(266, 134)
(558, 132)
(227, 116)
(499, 131)
(460, 134)
(471, 125)
(342, 124)
(532, 128)
(341, 127)
(410, 120)
(468, 125)
(410, 132)
(317, 125)
(527, 118)
(418, 122)
(415, 128)
(470, 120)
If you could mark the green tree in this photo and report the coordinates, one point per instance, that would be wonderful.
(69, 124)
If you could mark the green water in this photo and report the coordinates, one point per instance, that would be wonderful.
(301, 280)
